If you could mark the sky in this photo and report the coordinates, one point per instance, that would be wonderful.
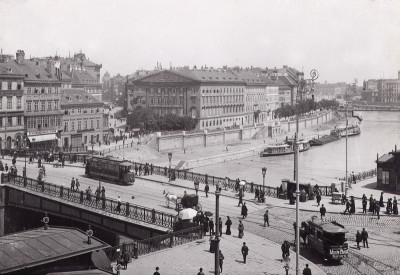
(342, 39)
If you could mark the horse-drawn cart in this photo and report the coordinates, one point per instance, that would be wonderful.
(188, 201)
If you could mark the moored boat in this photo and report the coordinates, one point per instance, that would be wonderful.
(352, 130)
(277, 150)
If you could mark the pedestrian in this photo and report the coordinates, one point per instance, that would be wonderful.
(389, 206)
(205, 225)
(125, 257)
(352, 205)
(358, 239)
(374, 204)
(381, 201)
(307, 270)
(322, 210)
(348, 205)
(151, 168)
(119, 204)
(364, 204)
(245, 252)
(98, 192)
(364, 236)
(206, 189)
(156, 272)
(73, 184)
(221, 260)
(88, 193)
(266, 218)
(211, 226)
(44, 170)
(371, 201)
(318, 199)
(228, 224)
(220, 226)
(395, 209)
(200, 272)
(241, 229)
(377, 210)
(77, 184)
(244, 211)
(256, 193)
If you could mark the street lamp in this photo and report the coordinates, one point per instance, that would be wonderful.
(216, 264)
(169, 171)
(264, 172)
(349, 86)
(304, 86)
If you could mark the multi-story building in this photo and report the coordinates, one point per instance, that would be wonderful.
(11, 107)
(113, 87)
(84, 121)
(217, 98)
(382, 90)
(329, 91)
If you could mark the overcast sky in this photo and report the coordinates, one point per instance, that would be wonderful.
(343, 40)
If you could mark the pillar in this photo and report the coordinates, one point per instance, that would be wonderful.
(205, 138)
(2, 209)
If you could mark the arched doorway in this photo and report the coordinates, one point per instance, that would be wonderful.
(18, 141)
(8, 142)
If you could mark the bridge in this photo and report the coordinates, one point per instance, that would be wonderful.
(371, 108)
(130, 220)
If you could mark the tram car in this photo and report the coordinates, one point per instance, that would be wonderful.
(188, 201)
(110, 169)
(328, 239)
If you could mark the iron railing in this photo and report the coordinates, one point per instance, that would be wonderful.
(360, 176)
(109, 205)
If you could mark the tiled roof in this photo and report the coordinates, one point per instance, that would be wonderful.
(37, 247)
(210, 75)
(32, 70)
(72, 96)
(385, 158)
(82, 77)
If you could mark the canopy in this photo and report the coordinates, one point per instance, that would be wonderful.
(41, 138)
(242, 183)
(187, 214)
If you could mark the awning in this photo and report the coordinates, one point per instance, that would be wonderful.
(41, 138)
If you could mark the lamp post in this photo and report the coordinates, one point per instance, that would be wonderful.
(264, 172)
(169, 171)
(216, 267)
(304, 86)
(349, 86)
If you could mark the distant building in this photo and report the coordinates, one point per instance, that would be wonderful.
(84, 121)
(215, 97)
(329, 91)
(383, 90)
(113, 87)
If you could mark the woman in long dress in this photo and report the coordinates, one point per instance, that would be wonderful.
(395, 209)
(241, 229)
(228, 224)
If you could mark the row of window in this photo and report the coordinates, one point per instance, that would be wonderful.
(222, 122)
(42, 90)
(11, 86)
(52, 105)
(223, 90)
(222, 99)
(43, 122)
(10, 102)
(209, 111)
(81, 111)
(11, 121)
(79, 124)
(160, 90)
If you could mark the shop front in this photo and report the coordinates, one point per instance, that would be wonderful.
(43, 140)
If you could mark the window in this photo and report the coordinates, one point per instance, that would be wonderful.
(49, 105)
(85, 140)
(9, 102)
(28, 90)
(31, 122)
(98, 124)
(19, 102)
(79, 110)
(66, 126)
(36, 106)
(72, 126)
(85, 124)
(58, 121)
(19, 121)
(52, 121)
(9, 85)
(72, 111)
(385, 177)
(49, 90)
(9, 123)
(1, 122)
(91, 124)
(43, 105)
(55, 105)
(39, 122)
(91, 110)
(79, 125)
(46, 121)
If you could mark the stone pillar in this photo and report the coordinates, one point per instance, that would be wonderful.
(205, 138)
(2, 208)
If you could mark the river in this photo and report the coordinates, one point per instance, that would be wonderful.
(322, 165)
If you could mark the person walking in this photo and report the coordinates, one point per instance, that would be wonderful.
(266, 218)
(221, 260)
(89, 193)
(156, 272)
(352, 205)
(228, 224)
(220, 226)
(211, 226)
(348, 205)
(77, 184)
(374, 204)
(381, 204)
(358, 239)
(44, 170)
(322, 210)
(206, 189)
(307, 270)
(364, 204)
(241, 229)
(200, 272)
(119, 204)
(244, 211)
(245, 252)
(240, 199)
(364, 236)
(318, 199)
(389, 206)
(377, 210)
(256, 193)
(395, 209)
(73, 184)
(371, 201)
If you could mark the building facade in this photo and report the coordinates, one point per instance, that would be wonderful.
(84, 121)
(216, 98)
(329, 91)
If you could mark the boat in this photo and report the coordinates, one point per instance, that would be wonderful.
(352, 130)
(277, 150)
(303, 144)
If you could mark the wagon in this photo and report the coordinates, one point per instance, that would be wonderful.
(188, 201)
(337, 197)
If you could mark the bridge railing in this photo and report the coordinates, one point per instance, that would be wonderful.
(360, 176)
(95, 201)
(143, 247)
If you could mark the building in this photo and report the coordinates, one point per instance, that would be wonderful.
(11, 107)
(84, 121)
(329, 91)
(217, 98)
(388, 168)
(382, 90)
(113, 87)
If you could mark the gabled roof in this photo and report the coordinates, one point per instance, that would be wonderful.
(385, 158)
(38, 246)
(71, 96)
(32, 70)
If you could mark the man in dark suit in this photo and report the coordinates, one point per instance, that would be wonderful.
(245, 251)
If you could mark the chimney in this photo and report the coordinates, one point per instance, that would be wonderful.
(20, 57)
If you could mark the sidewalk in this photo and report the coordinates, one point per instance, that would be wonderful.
(264, 258)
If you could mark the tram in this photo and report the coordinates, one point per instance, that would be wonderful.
(111, 169)
(328, 239)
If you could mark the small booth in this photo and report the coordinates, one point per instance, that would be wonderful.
(288, 191)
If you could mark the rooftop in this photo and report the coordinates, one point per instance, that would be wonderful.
(38, 246)
(71, 96)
